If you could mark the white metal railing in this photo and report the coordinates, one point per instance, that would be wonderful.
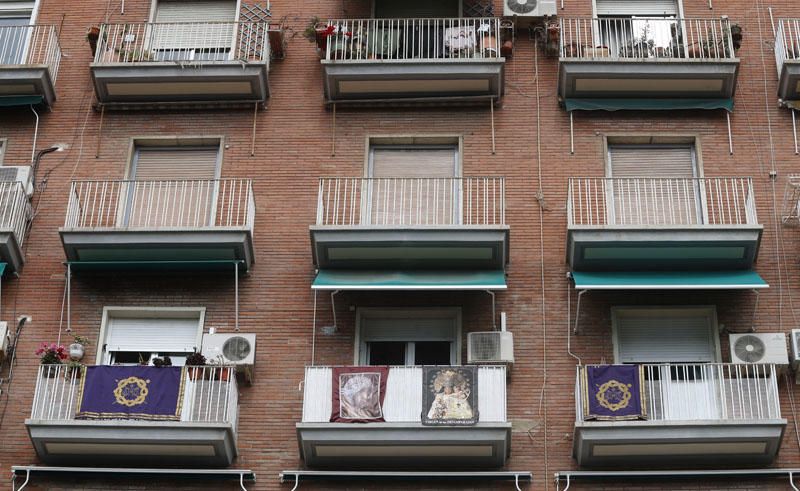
(30, 45)
(156, 205)
(787, 42)
(714, 391)
(411, 201)
(413, 39)
(185, 42)
(666, 38)
(642, 201)
(210, 394)
(15, 209)
(403, 400)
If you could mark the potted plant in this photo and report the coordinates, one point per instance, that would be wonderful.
(78, 348)
(74, 369)
(221, 370)
(51, 355)
(194, 364)
(164, 361)
(318, 32)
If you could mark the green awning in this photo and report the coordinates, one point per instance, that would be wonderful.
(668, 280)
(646, 104)
(3, 268)
(20, 100)
(330, 279)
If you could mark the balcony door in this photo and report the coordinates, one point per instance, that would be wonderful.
(413, 185)
(15, 17)
(653, 185)
(638, 28)
(409, 337)
(416, 9)
(676, 344)
(171, 187)
(194, 30)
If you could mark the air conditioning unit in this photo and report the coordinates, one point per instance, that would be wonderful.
(796, 349)
(490, 347)
(529, 8)
(18, 173)
(762, 347)
(232, 349)
(5, 339)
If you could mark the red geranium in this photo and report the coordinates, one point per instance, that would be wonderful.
(51, 353)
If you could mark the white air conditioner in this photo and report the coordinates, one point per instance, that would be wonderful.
(529, 8)
(18, 173)
(761, 347)
(231, 349)
(490, 347)
(5, 338)
(796, 349)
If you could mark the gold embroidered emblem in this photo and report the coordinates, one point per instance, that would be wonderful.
(131, 391)
(614, 395)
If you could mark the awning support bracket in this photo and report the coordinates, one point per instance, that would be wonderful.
(755, 310)
(333, 132)
(236, 295)
(14, 480)
(494, 313)
(730, 134)
(575, 329)
(100, 131)
(253, 137)
(571, 134)
(491, 107)
(794, 130)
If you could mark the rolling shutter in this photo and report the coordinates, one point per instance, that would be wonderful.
(152, 334)
(651, 161)
(413, 162)
(154, 163)
(626, 8)
(411, 329)
(416, 8)
(212, 26)
(661, 336)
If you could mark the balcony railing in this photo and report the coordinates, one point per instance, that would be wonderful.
(411, 201)
(161, 205)
(605, 39)
(186, 42)
(456, 39)
(30, 45)
(209, 394)
(787, 42)
(717, 391)
(645, 201)
(403, 400)
(15, 209)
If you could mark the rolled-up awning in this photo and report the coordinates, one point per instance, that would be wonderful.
(668, 280)
(20, 100)
(646, 104)
(330, 279)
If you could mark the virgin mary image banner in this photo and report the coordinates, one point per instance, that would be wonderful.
(358, 394)
(449, 396)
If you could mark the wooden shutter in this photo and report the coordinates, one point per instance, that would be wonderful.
(664, 335)
(172, 188)
(181, 35)
(652, 185)
(152, 334)
(624, 8)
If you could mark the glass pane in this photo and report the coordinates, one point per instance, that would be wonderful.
(387, 353)
(13, 31)
(130, 357)
(432, 353)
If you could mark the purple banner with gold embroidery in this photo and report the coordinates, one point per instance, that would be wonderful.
(131, 392)
(613, 392)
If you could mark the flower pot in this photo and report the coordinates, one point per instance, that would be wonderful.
(223, 375)
(194, 372)
(50, 370)
(76, 351)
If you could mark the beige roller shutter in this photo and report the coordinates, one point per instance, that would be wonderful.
(664, 336)
(427, 196)
(172, 188)
(653, 185)
(624, 8)
(194, 24)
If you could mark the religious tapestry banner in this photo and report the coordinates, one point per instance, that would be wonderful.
(358, 394)
(131, 392)
(613, 392)
(449, 395)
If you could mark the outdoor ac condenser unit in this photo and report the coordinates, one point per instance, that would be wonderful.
(491, 346)
(236, 349)
(529, 8)
(761, 347)
(18, 173)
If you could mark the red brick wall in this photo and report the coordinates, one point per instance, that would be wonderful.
(293, 148)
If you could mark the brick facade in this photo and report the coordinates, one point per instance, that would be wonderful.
(293, 148)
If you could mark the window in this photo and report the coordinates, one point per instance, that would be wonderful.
(408, 337)
(639, 28)
(135, 335)
(3, 145)
(172, 186)
(14, 35)
(654, 184)
(413, 185)
(194, 29)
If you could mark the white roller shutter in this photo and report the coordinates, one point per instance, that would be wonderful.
(194, 24)
(626, 8)
(413, 162)
(651, 161)
(664, 335)
(152, 334)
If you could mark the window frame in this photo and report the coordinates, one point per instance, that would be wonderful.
(360, 349)
(103, 356)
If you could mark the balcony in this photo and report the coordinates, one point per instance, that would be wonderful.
(641, 59)
(402, 441)
(208, 63)
(132, 222)
(15, 213)
(697, 415)
(632, 224)
(397, 224)
(787, 59)
(29, 60)
(204, 436)
(413, 60)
